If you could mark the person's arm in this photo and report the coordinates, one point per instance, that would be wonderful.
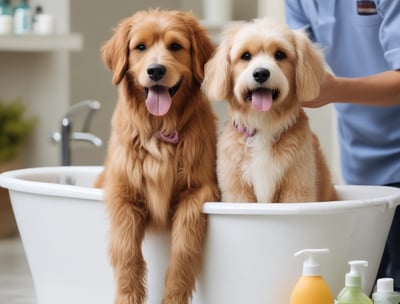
(381, 89)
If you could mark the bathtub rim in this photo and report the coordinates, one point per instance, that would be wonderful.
(13, 181)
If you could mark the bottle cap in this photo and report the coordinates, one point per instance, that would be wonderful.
(311, 267)
(384, 285)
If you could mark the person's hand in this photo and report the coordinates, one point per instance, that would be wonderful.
(325, 95)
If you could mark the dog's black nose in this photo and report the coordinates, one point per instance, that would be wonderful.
(156, 71)
(261, 75)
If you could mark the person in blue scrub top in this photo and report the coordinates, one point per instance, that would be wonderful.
(361, 43)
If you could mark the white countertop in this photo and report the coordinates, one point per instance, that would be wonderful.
(16, 286)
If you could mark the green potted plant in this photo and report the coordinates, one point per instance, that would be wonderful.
(14, 131)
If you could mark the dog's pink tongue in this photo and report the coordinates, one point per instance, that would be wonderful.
(158, 101)
(261, 100)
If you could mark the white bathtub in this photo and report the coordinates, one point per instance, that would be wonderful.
(248, 255)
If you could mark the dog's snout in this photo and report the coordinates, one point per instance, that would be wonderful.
(156, 71)
(261, 75)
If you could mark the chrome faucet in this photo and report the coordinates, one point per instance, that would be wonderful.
(66, 135)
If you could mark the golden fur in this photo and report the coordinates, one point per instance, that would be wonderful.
(267, 152)
(160, 166)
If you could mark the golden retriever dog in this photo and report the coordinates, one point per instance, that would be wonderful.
(267, 151)
(161, 158)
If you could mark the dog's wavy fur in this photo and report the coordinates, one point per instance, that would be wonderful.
(268, 155)
(151, 182)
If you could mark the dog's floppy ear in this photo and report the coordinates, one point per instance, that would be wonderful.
(217, 81)
(202, 46)
(115, 51)
(309, 69)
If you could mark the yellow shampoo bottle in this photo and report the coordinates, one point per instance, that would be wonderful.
(311, 287)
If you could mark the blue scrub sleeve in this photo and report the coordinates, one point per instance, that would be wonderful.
(295, 17)
(389, 32)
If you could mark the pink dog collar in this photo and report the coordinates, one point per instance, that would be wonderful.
(243, 129)
(169, 138)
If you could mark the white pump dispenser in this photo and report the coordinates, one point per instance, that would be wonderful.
(353, 278)
(352, 292)
(311, 267)
(311, 287)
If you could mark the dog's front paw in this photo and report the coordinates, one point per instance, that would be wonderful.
(177, 298)
(175, 301)
(129, 299)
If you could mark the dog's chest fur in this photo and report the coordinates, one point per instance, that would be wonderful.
(261, 169)
(159, 181)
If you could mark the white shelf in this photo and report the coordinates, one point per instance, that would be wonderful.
(41, 43)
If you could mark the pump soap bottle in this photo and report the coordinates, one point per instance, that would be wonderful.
(352, 292)
(384, 293)
(311, 287)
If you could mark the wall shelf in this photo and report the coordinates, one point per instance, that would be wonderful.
(41, 43)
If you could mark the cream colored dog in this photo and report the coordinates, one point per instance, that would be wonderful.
(267, 152)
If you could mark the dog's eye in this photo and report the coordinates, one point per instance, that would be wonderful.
(175, 47)
(246, 56)
(279, 55)
(140, 47)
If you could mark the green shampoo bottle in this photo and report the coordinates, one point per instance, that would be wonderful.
(352, 293)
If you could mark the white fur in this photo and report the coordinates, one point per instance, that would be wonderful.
(261, 171)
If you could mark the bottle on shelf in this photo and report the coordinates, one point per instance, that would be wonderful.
(22, 18)
(6, 18)
(42, 23)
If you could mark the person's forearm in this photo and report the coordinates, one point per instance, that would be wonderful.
(379, 90)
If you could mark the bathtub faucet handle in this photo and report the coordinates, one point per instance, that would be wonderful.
(65, 136)
(92, 105)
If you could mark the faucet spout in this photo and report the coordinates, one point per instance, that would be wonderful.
(85, 136)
